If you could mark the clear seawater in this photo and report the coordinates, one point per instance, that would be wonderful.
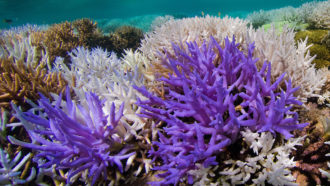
(19, 12)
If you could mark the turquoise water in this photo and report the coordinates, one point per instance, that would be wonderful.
(18, 12)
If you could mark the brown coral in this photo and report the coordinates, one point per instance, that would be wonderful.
(19, 81)
(311, 156)
(59, 40)
(126, 37)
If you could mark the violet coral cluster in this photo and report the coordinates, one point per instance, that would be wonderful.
(213, 93)
(76, 138)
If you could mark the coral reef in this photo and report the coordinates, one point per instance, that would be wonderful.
(208, 99)
(278, 48)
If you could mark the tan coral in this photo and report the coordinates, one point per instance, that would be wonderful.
(19, 82)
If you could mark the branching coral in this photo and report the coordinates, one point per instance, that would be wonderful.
(278, 48)
(264, 161)
(270, 162)
(208, 100)
(60, 39)
(110, 78)
(103, 73)
(10, 169)
(281, 50)
(78, 138)
(187, 30)
(19, 81)
(316, 38)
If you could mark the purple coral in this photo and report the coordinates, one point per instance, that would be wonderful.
(76, 140)
(211, 95)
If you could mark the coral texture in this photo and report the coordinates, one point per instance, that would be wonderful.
(265, 161)
(278, 48)
(19, 81)
(10, 169)
(320, 17)
(77, 138)
(208, 100)
(287, 56)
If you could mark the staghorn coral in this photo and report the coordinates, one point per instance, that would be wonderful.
(207, 101)
(19, 82)
(18, 44)
(87, 32)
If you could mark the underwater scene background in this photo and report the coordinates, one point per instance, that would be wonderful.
(125, 92)
(55, 11)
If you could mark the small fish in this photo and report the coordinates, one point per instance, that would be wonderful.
(9, 21)
(203, 13)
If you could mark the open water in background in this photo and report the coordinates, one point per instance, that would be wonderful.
(19, 12)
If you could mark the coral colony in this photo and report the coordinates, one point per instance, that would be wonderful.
(196, 101)
(209, 100)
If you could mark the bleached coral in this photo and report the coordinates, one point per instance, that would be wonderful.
(135, 59)
(197, 29)
(17, 44)
(320, 17)
(280, 49)
(111, 79)
(269, 163)
(104, 74)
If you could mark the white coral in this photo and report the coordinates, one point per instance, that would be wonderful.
(269, 164)
(320, 17)
(17, 44)
(184, 30)
(280, 49)
(104, 74)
